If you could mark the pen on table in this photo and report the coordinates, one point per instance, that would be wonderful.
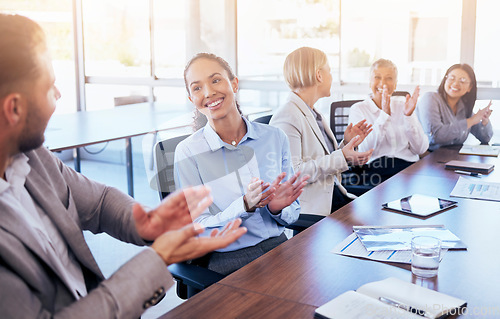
(408, 308)
(467, 173)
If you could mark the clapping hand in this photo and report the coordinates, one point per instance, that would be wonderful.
(482, 116)
(255, 198)
(287, 192)
(411, 102)
(184, 244)
(486, 115)
(386, 100)
(354, 157)
(174, 212)
(276, 195)
(361, 128)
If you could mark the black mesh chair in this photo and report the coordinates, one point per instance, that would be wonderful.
(164, 160)
(400, 93)
(190, 278)
(339, 120)
(339, 117)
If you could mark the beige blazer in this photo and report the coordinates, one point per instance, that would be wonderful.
(310, 155)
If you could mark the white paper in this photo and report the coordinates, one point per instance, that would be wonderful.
(351, 305)
(485, 150)
(352, 246)
(398, 237)
(476, 189)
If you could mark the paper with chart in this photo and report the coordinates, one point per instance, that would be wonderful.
(352, 246)
(398, 237)
(476, 189)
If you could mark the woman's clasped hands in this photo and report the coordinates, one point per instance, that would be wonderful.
(482, 116)
(276, 195)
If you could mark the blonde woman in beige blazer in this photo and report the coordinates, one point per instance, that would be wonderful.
(314, 148)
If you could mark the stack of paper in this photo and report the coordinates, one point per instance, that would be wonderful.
(352, 246)
(481, 168)
(482, 150)
(393, 243)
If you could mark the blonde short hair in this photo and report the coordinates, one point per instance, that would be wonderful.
(301, 66)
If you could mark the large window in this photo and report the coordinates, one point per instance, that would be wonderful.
(422, 37)
(170, 37)
(116, 38)
(269, 30)
(131, 48)
(486, 57)
(55, 17)
(146, 44)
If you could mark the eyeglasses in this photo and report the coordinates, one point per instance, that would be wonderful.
(452, 79)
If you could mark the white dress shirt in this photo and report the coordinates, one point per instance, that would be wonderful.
(395, 135)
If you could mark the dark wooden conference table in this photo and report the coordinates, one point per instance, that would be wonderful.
(300, 275)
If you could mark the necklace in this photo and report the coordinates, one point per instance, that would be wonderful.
(239, 135)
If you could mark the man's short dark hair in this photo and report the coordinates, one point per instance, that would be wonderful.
(21, 41)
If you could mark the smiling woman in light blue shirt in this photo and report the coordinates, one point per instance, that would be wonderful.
(246, 164)
(263, 152)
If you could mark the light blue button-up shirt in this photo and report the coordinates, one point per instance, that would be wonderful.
(204, 159)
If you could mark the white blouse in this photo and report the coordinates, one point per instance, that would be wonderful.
(395, 135)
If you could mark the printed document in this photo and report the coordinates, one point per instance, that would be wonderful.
(352, 246)
(476, 189)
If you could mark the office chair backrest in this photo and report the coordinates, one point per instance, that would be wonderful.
(164, 157)
(339, 117)
(400, 93)
(190, 278)
(263, 119)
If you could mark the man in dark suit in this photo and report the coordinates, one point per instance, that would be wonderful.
(46, 268)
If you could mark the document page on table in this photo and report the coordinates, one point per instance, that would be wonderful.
(476, 189)
(482, 150)
(433, 302)
(398, 237)
(352, 246)
(351, 305)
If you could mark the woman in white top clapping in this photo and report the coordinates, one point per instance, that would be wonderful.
(397, 139)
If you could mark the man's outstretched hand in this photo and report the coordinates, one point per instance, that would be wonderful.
(174, 212)
(184, 244)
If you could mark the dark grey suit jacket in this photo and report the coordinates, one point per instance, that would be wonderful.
(31, 288)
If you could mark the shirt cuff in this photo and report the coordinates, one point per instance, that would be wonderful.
(382, 118)
(275, 216)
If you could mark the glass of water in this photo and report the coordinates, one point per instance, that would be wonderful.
(426, 252)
